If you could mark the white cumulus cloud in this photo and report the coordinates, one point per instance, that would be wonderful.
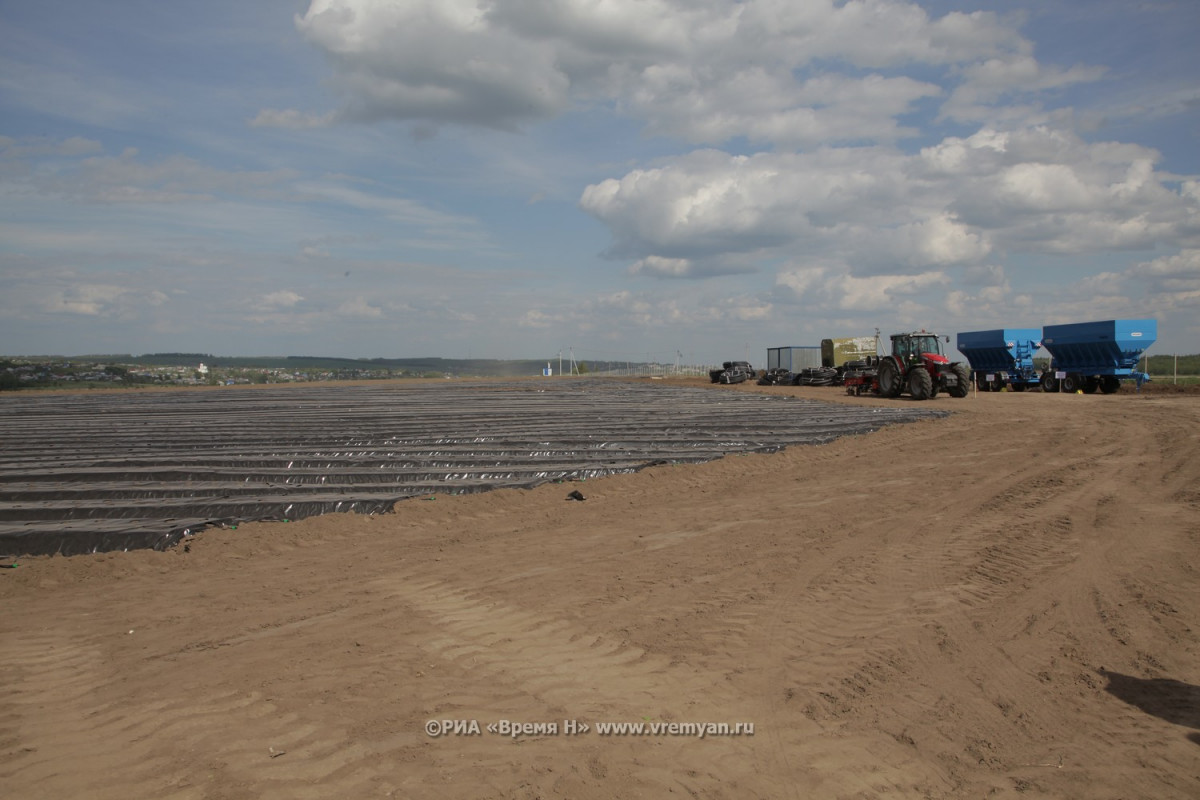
(704, 72)
(284, 298)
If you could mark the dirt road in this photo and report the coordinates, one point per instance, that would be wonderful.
(1002, 603)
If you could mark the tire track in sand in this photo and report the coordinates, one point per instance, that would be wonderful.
(61, 721)
(831, 627)
(999, 569)
(524, 665)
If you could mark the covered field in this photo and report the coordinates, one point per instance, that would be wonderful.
(100, 471)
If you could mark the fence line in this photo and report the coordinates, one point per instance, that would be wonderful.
(649, 371)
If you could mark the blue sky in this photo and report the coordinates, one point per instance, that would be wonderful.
(632, 179)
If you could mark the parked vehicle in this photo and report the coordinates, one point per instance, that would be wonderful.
(1091, 356)
(1002, 358)
(732, 372)
(916, 365)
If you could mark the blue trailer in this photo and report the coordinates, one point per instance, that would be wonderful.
(1086, 356)
(1002, 357)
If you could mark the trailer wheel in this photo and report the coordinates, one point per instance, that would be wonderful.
(1110, 384)
(1090, 385)
(1072, 383)
(920, 384)
(1049, 382)
(889, 378)
(960, 388)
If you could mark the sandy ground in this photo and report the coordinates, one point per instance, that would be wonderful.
(1002, 603)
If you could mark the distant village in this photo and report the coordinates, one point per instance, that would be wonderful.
(23, 374)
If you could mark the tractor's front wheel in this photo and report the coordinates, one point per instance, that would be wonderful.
(890, 384)
(920, 385)
(961, 386)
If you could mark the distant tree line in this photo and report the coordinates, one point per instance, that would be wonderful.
(1154, 365)
(1165, 365)
(336, 368)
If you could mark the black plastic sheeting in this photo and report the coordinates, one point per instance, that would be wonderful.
(118, 471)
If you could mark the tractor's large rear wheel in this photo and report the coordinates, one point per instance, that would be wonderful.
(920, 385)
(961, 386)
(890, 380)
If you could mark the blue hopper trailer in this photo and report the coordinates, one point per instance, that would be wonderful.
(1086, 356)
(1002, 358)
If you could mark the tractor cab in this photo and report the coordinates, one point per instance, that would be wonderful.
(913, 348)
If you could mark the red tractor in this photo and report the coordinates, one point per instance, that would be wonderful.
(918, 366)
